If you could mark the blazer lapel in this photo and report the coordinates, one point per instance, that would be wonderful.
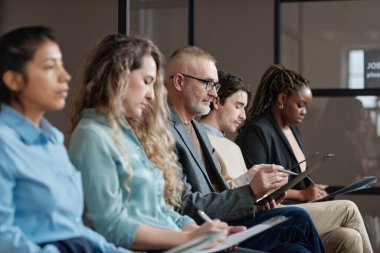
(281, 134)
(210, 155)
(189, 144)
(182, 132)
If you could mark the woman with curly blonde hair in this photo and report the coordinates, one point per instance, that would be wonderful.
(120, 140)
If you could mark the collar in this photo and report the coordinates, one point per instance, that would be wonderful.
(28, 132)
(213, 131)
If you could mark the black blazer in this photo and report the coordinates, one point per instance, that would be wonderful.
(262, 141)
(228, 204)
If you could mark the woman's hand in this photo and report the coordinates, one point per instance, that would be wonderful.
(214, 226)
(314, 192)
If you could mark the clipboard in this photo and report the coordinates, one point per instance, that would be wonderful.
(200, 243)
(314, 161)
(197, 243)
(363, 183)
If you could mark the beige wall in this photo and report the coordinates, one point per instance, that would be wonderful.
(240, 35)
(239, 32)
(79, 25)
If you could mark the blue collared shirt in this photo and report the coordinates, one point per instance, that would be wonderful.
(213, 131)
(41, 197)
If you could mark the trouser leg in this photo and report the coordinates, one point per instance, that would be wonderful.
(297, 234)
(330, 215)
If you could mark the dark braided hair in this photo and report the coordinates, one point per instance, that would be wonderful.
(275, 80)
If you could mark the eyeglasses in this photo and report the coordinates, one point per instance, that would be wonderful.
(209, 84)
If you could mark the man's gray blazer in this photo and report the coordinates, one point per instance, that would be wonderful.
(227, 204)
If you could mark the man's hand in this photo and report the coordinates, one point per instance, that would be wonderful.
(271, 204)
(267, 178)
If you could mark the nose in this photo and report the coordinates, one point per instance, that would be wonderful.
(243, 116)
(304, 111)
(150, 93)
(65, 76)
(212, 93)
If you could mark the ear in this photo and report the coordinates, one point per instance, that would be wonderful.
(178, 82)
(281, 98)
(216, 103)
(13, 80)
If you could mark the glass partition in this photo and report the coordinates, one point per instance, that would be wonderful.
(154, 18)
(349, 128)
(335, 44)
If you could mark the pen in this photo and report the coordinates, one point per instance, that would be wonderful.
(288, 172)
(310, 180)
(204, 216)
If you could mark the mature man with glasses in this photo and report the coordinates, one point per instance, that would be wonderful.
(192, 82)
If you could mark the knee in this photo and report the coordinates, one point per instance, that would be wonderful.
(300, 213)
(300, 216)
(350, 210)
(295, 211)
(347, 205)
(343, 240)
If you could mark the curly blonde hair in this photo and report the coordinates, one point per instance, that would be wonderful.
(103, 85)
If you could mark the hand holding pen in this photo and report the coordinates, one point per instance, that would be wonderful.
(267, 178)
(313, 192)
(230, 229)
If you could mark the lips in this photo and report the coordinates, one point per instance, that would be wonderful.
(63, 93)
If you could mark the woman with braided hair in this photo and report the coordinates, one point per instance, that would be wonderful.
(281, 102)
(270, 136)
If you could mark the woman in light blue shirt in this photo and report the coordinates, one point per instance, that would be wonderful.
(121, 143)
(41, 201)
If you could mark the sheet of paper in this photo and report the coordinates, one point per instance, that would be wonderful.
(196, 244)
(236, 238)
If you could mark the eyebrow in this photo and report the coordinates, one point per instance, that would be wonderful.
(54, 59)
(240, 103)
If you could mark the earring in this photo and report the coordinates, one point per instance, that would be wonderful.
(281, 106)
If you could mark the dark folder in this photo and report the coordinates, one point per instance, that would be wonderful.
(313, 163)
(363, 183)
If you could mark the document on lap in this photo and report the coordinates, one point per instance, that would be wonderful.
(314, 162)
(355, 186)
(200, 243)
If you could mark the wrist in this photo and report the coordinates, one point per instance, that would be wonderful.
(301, 195)
(190, 227)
